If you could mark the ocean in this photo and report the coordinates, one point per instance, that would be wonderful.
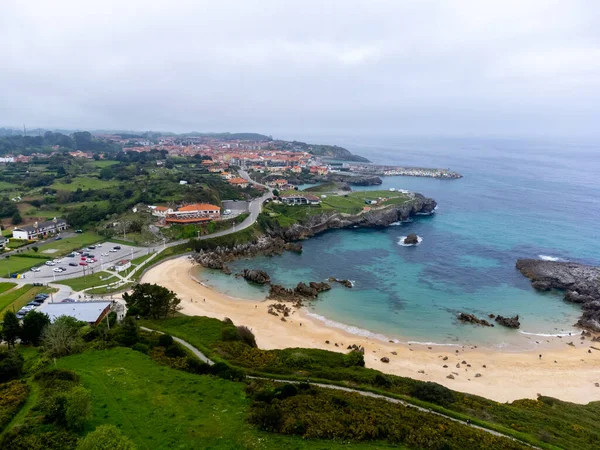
(518, 198)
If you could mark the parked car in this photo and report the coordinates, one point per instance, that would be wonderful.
(104, 254)
(57, 269)
(57, 260)
(92, 247)
(78, 231)
(73, 264)
(68, 300)
(71, 255)
(35, 269)
(64, 269)
(41, 296)
(98, 245)
(117, 247)
(83, 263)
(57, 238)
(86, 249)
(92, 260)
(91, 256)
(112, 250)
(39, 284)
(50, 263)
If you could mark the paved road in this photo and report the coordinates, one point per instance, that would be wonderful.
(396, 401)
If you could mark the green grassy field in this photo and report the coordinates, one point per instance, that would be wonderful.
(18, 264)
(162, 408)
(20, 297)
(66, 245)
(5, 286)
(84, 183)
(96, 279)
(103, 163)
(6, 186)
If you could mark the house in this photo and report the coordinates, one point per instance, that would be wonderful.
(300, 199)
(90, 312)
(319, 170)
(161, 211)
(40, 230)
(239, 182)
(227, 176)
(296, 169)
(122, 265)
(3, 242)
(196, 213)
(279, 183)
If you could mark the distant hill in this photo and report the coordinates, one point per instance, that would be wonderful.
(326, 151)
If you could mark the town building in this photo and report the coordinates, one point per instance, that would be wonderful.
(161, 211)
(300, 199)
(91, 312)
(239, 182)
(196, 213)
(40, 230)
(122, 265)
(279, 183)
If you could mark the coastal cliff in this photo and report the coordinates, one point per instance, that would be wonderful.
(275, 239)
(374, 218)
(580, 283)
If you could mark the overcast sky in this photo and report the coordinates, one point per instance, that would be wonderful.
(505, 67)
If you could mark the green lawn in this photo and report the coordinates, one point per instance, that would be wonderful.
(6, 186)
(109, 290)
(18, 264)
(162, 408)
(103, 163)
(20, 297)
(66, 245)
(85, 183)
(96, 279)
(4, 286)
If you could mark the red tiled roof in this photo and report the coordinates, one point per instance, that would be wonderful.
(198, 219)
(199, 207)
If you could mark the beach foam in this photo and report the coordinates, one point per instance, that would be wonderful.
(551, 258)
(350, 329)
(401, 241)
(563, 334)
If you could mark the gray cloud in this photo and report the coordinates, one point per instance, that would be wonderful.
(414, 66)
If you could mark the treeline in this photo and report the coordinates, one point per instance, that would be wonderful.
(81, 140)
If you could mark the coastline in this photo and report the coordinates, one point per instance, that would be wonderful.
(507, 376)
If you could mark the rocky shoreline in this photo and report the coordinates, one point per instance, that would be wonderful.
(580, 284)
(277, 239)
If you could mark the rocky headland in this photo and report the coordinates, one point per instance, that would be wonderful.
(580, 284)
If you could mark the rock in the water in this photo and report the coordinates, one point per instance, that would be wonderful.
(256, 276)
(470, 318)
(411, 239)
(510, 322)
(580, 283)
(346, 283)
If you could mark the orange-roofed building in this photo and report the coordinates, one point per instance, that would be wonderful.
(240, 182)
(196, 213)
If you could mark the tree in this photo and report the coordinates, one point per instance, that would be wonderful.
(151, 300)
(61, 338)
(11, 364)
(11, 329)
(128, 333)
(16, 218)
(35, 248)
(275, 192)
(33, 326)
(105, 437)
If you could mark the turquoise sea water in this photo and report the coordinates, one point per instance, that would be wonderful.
(517, 199)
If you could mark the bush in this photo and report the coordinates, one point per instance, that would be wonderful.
(247, 336)
(230, 334)
(11, 364)
(61, 337)
(142, 348)
(194, 365)
(382, 381)
(434, 393)
(165, 340)
(78, 408)
(354, 359)
(105, 437)
(225, 371)
(175, 351)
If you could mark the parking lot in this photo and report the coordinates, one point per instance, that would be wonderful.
(105, 258)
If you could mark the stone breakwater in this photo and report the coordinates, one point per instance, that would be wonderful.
(580, 283)
(372, 169)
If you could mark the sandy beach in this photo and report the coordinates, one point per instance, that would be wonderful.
(565, 372)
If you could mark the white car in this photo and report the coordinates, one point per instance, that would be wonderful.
(35, 269)
(104, 254)
(50, 263)
(112, 250)
(57, 260)
(98, 245)
(57, 269)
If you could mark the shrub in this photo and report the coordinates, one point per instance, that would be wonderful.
(12, 396)
(105, 437)
(194, 365)
(142, 348)
(434, 393)
(78, 408)
(165, 340)
(247, 336)
(354, 359)
(230, 334)
(382, 381)
(175, 351)
(11, 364)
(225, 371)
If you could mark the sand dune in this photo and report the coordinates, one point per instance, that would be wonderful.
(507, 376)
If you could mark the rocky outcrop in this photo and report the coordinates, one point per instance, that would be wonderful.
(510, 322)
(374, 218)
(265, 245)
(411, 239)
(470, 318)
(301, 292)
(346, 283)
(580, 283)
(256, 276)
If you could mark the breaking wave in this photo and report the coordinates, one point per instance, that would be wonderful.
(351, 329)
(551, 258)
(401, 241)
